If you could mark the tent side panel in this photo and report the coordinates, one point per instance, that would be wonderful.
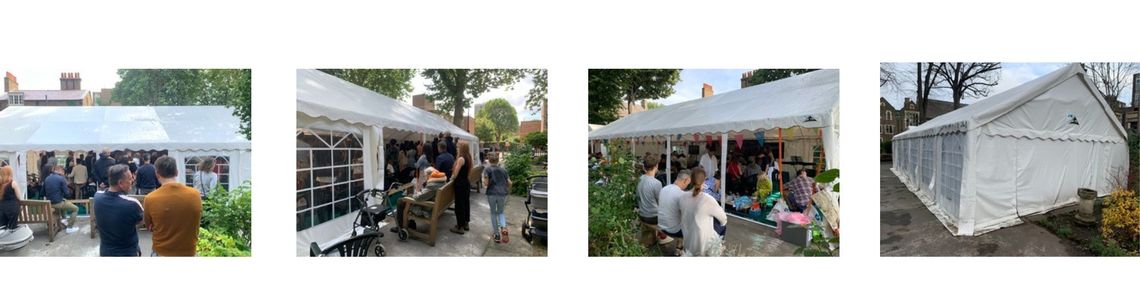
(950, 173)
(994, 170)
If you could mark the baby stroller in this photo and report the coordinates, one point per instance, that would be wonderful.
(368, 221)
(536, 200)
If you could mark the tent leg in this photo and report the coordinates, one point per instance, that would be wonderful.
(668, 159)
(723, 163)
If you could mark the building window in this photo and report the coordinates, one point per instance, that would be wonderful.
(330, 171)
(221, 167)
(889, 115)
(16, 99)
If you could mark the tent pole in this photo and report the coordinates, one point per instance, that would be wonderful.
(822, 154)
(723, 163)
(668, 159)
(780, 160)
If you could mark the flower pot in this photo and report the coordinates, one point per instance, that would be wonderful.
(1085, 206)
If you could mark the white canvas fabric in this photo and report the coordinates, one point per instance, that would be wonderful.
(183, 131)
(784, 103)
(1016, 153)
(328, 103)
(323, 95)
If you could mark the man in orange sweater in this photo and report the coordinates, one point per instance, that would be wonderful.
(172, 212)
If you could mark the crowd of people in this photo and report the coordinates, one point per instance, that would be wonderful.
(689, 207)
(109, 181)
(424, 163)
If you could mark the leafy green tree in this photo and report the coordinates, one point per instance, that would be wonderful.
(484, 129)
(394, 83)
(536, 140)
(537, 94)
(761, 76)
(501, 115)
(609, 88)
(188, 87)
(653, 105)
(455, 89)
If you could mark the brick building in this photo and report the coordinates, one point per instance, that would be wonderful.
(70, 93)
(893, 121)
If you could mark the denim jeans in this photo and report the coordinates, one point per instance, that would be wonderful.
(498, 205)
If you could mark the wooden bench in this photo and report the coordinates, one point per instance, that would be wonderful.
(39, 212)
(476, 177)
(437, 205)
(91, 212)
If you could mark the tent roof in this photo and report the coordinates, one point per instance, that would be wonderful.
(323, 95)
(135, 127)
(988, 109)
(778, 104)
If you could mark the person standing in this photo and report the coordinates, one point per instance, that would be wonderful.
(101, 166)
(445, 161)
(205, 180)
(708, 161)
(146, 179)
(9, 200)
(173, 212)
(698, 213)
(421, 165)
(119, 215)
(498, 185)
(79, 177)
(55, 185)
(451, 145)
(462, 188)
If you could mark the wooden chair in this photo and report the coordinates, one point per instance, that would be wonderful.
(91, 212)
(39, 212)
(437, 206)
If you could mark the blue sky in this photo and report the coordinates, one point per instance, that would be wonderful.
(1012, 75)
(689, 88)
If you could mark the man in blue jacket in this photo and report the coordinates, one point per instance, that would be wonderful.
(119, 215)
(55, 186)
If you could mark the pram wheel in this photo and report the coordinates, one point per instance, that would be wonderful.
(526, 234)
(403, 234)
(379, 250)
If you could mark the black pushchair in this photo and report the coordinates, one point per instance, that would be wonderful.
(535, 227)
(369, 219)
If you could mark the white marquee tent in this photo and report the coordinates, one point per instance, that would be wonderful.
(1016, 153)
(184, 131)
(348, 118)
(807, 101)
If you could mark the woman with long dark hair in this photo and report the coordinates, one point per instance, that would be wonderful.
(460, 173)
(9, 199)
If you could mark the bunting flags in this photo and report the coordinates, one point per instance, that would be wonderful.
(739, 140)
(760, 138)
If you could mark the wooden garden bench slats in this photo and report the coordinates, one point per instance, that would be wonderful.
(438, 205)
(39, 212)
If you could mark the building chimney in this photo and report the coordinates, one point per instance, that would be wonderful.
(10, 83)
(69, 81)
(706, 90)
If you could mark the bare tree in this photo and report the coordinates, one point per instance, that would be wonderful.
(888, 75)
(926, 79)
(972, 79)
(1111, 78)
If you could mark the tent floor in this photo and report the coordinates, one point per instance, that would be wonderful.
(907, 228)
(476, 242)
(79, 243)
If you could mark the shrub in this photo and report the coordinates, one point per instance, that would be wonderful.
(1121, 219)
(612, 230)
(218, 244)
(518, 168)
(226, 222)
(536, 140)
